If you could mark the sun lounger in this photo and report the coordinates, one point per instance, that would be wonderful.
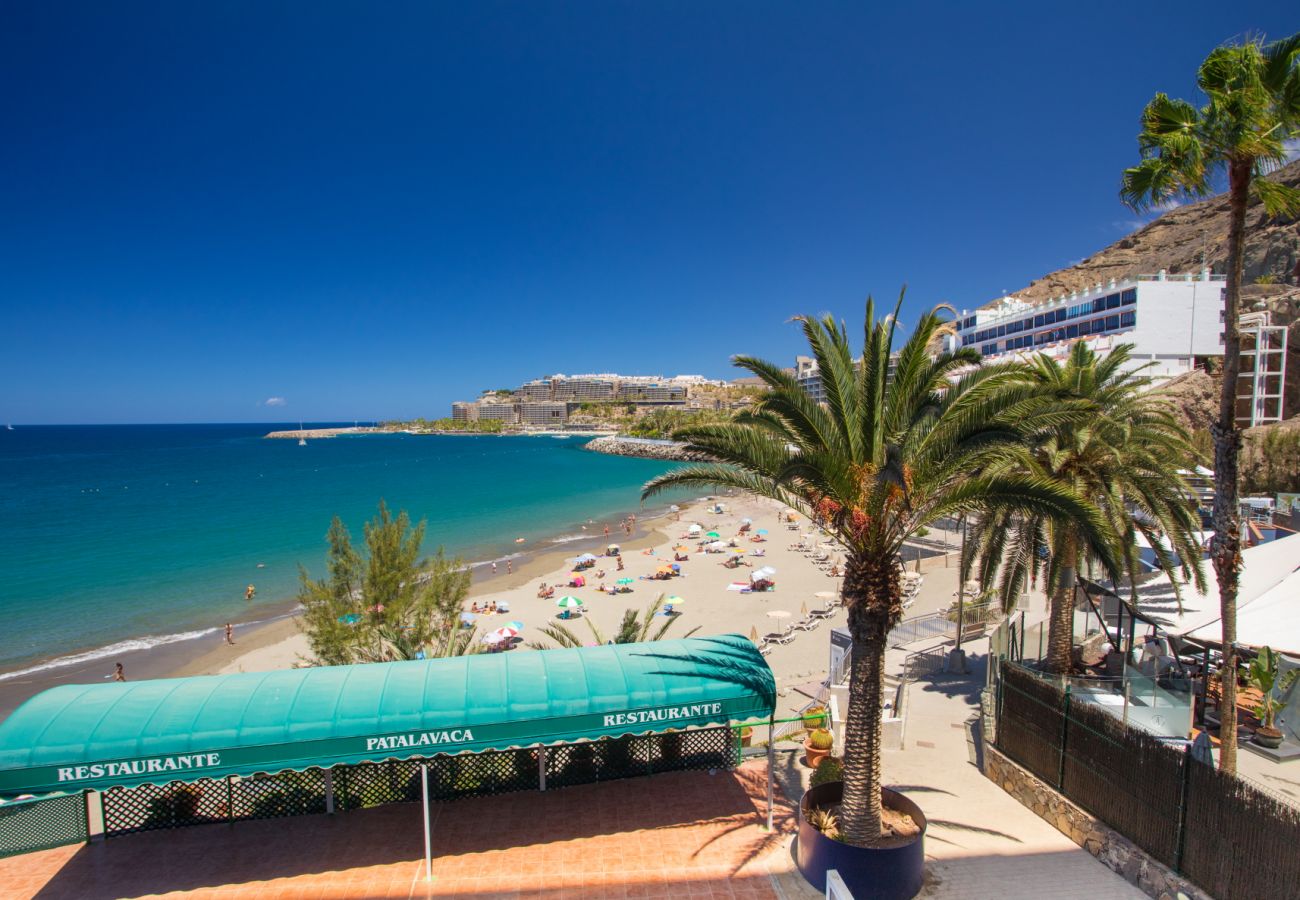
(780, 637)
(825, 613)
(807, 624)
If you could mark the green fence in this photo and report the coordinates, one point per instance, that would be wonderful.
(1232, 839)
(42, 823)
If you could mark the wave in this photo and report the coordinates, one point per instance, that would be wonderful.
(144, 643)
(567, 538)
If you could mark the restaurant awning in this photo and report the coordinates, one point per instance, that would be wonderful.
(96, 736)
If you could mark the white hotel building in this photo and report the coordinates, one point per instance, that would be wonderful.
(1169, 319)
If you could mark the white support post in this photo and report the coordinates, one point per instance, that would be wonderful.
(329, 792)
(428, 849)
(541, 768)
(771, 767)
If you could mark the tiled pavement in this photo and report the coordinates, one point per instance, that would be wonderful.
(674, 835)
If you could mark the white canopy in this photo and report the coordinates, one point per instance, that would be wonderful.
(765, 572)
(695, 529)
(1268, 600)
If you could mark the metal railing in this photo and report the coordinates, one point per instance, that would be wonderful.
(925, 662)
(919, 628)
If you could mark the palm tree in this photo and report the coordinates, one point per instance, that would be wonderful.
(1252, 108)
(886, 455)
(1120, 458)
(635, 628)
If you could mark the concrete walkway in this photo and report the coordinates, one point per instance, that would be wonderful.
(981, 842)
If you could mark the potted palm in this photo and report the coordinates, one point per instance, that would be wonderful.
(1266, 677)
(896, 445)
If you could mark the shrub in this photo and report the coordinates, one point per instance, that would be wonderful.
(821, 739)
(829, 769)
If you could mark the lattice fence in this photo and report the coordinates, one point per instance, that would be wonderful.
(128, 810)
(29, 825)
(149, 807)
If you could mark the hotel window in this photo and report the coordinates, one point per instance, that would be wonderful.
(1112, 322)
(1130, 296)
(1127, 319)
(1038, 321)
(1112, 302)
(1072, 331)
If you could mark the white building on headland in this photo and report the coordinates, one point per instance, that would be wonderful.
(551, 400)
(1169, 319)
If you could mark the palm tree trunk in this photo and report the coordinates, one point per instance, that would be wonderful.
(871, 593)
(1225, 546)
(1060, 631)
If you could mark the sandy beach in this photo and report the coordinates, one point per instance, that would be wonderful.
(703, 585)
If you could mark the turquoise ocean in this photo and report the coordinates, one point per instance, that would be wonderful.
(124, 537)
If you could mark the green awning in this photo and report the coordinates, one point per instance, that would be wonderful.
(181, 729)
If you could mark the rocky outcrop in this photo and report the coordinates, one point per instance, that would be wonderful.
(1117, 852)
(672, 451)
(1194, 398)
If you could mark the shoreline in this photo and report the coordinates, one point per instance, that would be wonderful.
(176, 654)
(279, 636)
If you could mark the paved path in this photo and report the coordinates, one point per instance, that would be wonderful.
(981, 842)
(679, 834)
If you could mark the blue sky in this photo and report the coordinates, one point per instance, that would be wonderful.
(370, 210)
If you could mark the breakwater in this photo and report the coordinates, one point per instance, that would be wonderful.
(670, 451)
(310, 433)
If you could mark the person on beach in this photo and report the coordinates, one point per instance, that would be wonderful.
(510, 567)
(606, 531)
(230, 634)
(620, 564)
(118, 673)
(249, 592)
(494, 567)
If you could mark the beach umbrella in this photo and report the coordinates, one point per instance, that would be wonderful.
(467, 618)
(803, 610)
(516, 625)
(625, 581)
(683, 549)
(718, 545)
(712, 534)
(762, 531)
(695, 529)
(673, 601)
(501, 634)
(568, 603)
(665, 570)
(746, 521)
(778, 614)
(753, 634)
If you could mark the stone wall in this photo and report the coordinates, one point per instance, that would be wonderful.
(1109, 846)
(665, 450)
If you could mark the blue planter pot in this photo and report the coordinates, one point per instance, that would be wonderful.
(884, 873)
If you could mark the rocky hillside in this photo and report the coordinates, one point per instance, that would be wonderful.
(1185, 239)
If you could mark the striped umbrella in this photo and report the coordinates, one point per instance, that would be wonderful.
(568, 603)
(516, 625)
(501, 634)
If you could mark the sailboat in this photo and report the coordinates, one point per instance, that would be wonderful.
(302, 440)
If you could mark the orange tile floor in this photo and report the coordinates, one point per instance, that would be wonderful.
(681, 834)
